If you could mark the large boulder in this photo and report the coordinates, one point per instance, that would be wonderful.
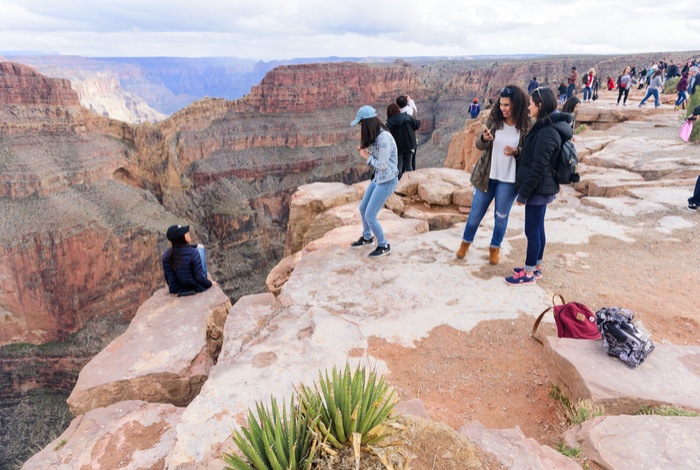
(163, 357)
(634, 442)
(129, 435)
(583, 370)
(514, 450)
(307, 202)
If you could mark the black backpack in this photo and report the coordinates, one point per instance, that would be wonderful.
(564, 171)
(621, 338)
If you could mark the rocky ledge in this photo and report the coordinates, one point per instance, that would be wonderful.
(331, 301)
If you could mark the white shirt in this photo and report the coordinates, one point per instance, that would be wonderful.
(410, 108)
(502, 166)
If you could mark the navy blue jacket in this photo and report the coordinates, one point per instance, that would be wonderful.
(539, 156)
(185, 273)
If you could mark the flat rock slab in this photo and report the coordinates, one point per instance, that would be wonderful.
(635, 442)
(583, 370)
(163, 357)
(514, 450)
(129, 435)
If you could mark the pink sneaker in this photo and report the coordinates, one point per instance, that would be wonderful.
(520, 279)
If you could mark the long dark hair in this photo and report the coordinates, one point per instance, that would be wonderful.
(545, 98)
(570, 104)
(369, 130)
(518, 105)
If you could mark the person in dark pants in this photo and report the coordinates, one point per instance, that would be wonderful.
(694, 201)
(572, 80)
(403, 128)
(534, 180)
(184, 264)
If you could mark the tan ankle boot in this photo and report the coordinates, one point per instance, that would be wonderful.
(493, 255)
(463, 248)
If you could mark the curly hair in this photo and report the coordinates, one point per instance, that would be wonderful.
(519, 103)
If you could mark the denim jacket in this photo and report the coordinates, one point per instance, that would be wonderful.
(383, 157)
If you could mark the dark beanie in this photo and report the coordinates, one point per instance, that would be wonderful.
(176, 233)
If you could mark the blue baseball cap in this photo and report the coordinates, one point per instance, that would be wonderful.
(365, 112)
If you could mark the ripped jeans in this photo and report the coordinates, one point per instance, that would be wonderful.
(505, 194)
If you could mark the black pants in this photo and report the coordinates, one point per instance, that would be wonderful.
(626, 92)
(405, 162)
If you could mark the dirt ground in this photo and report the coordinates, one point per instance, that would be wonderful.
(495, 373)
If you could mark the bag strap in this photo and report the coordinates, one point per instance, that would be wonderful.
(541, 316)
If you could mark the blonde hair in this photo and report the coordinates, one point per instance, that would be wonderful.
(592, 70)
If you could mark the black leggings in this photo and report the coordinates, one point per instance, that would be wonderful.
(626, 91)
(405, 162)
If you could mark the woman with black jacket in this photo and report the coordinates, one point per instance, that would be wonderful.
(534, 177)
(403, 128)
(184, 264)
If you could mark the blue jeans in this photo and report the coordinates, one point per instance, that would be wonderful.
(651, 92)
(681, 98)
(534, 231)
(587, 93)
(505, 194)
(203, 254)
(696, 194)
(372, 202)
(570, 91)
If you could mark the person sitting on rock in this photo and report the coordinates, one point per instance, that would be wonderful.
(184, 263)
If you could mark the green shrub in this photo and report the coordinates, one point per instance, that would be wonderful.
(349, 403)
(580, 129)
(572, 452)
(584, 410)
(692, 102)
(272, 441)
(667, 411)
(670, 86)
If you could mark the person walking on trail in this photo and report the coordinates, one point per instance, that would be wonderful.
(403, 128)
(534, 180)
(474, 108)
(655, 84)
(572, 80)
(623, 85)
(378, 147)
(588, 88)
(184, 264)
(532, 85)
(681, 89)
(494, 173)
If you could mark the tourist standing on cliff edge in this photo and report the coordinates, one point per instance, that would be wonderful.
(494, 174)
(184, 264)
(623, 86)
(403, 128)
(378, 147)
(534, 179)
(572, 80)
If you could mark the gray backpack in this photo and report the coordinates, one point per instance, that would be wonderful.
(621, 338)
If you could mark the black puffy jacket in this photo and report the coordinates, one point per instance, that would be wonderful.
(539, 156)
(403, 127)
(185, 272)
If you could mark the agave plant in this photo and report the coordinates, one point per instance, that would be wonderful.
(273, 442)
(349, 403)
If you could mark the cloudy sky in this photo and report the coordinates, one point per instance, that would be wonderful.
(285, 29)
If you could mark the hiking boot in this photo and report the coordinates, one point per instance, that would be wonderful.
(537, 273)
(380, 251)
(362, 241)
(463, 248)
(520, 279)
(692, 206)
(493, 254)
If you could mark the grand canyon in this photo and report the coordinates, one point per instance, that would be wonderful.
(86, 198)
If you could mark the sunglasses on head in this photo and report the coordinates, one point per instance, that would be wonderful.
(507, 91)
(538, 92)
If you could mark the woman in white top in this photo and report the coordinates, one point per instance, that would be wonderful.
(494, 174)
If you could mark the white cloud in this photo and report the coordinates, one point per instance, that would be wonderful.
(283, 29)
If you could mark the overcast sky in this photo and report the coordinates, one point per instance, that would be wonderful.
(285, 29)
